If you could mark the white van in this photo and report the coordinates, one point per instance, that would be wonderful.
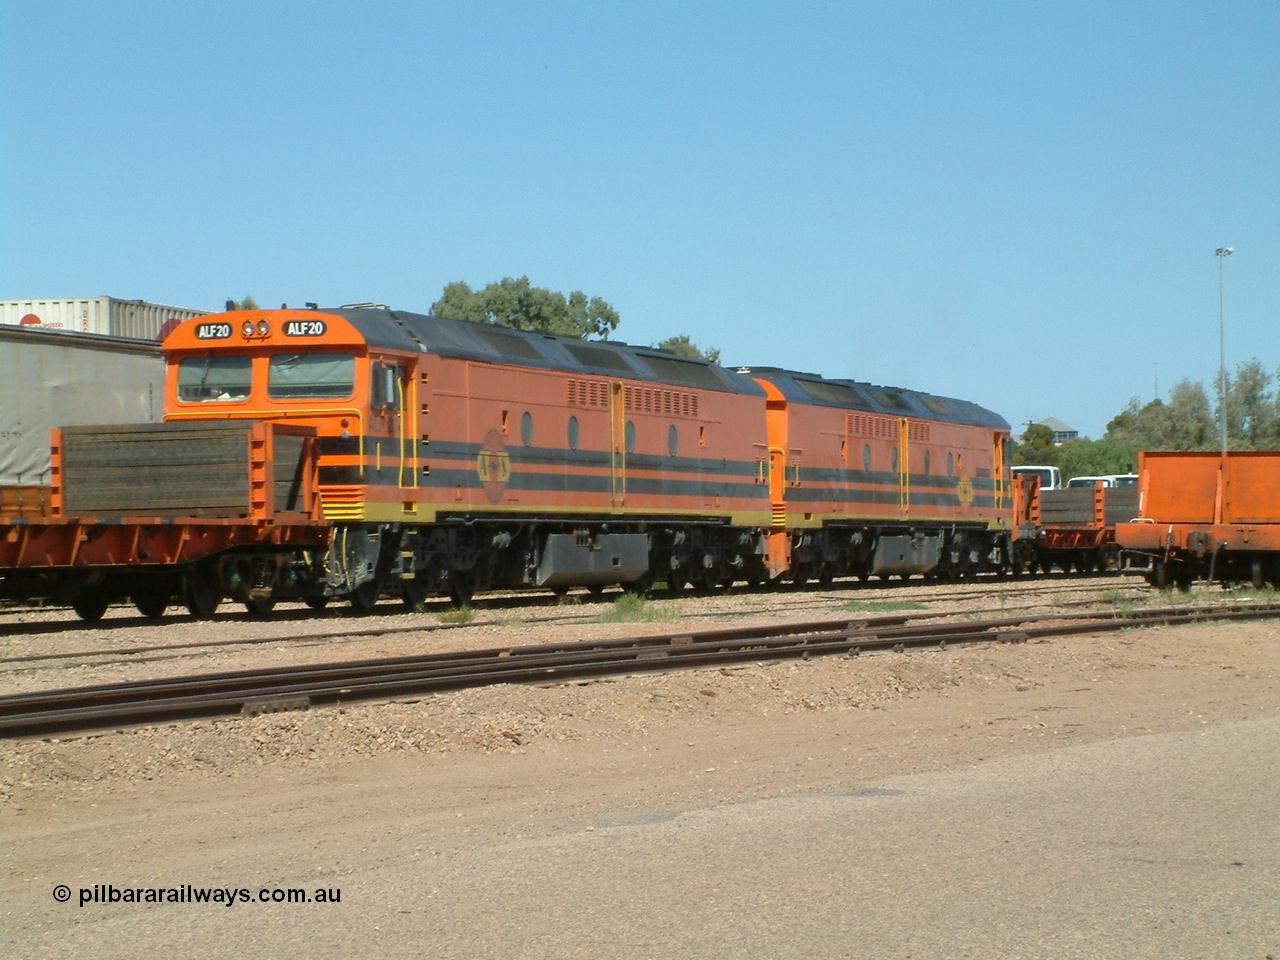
(1050, 477)
(1110, 480)
(1077, 482)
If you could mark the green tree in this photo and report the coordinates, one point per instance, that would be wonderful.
(1094, 458)
(1036, 447)
(1141, 427)
(683, 346)
(516, 303)
(1184, 423)
(1251, 411)
(248, 303)
(1273, 437)
(1190, 424)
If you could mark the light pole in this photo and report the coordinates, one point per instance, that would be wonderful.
(1222, 253)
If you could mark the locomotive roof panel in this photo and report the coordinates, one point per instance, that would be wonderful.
(870, 398)
(399, 330)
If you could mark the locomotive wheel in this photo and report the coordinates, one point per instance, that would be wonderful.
(365, 597)
(202, 591)
(316, 603)
(151, 603)
(91, 603)
(461, 587)
(415, 593)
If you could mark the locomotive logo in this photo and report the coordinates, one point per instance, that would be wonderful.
(493, 466)
(964, 489)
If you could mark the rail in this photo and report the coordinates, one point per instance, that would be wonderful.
(290, 688)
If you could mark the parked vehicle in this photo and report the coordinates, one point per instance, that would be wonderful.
(1050, 477)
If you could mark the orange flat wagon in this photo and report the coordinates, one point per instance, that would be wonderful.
(1207, 515)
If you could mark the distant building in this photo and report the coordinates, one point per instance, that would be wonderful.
(102, 315)
(1061, 432)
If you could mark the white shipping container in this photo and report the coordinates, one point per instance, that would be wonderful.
(51, 378)
(101, 315)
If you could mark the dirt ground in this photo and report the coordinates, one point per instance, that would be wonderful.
(285, 797)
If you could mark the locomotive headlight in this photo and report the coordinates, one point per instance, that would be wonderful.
(246, 328)
(263, 328)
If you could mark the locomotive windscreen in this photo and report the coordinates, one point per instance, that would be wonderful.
(214, 377)
(311, 376)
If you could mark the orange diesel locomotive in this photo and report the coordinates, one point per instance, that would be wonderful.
(453, 457)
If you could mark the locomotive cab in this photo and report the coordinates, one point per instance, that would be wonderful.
(316, 369)
(306, 367)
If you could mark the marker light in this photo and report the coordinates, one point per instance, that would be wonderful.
(263, 328)
(247, 328)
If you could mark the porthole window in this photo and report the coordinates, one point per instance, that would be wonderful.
(526, 428)
(927, 459)
(673, 440)
(866, 457)
(951, 465)
(573, 433)
(630, 434)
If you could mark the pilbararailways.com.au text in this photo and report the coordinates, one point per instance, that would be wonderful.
(109, 893)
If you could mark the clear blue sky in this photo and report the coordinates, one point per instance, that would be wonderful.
(1015, 203)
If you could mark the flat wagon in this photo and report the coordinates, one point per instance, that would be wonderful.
(1209, 516)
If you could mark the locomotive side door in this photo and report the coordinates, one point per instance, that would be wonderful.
(998, 472)
(389, 393)
(617, 444)
(777, 425)
(904, 466)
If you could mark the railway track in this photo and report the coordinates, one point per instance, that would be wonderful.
(1025, 600)
(61, 619)
(291, 688)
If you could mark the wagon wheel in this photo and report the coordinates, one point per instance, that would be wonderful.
(365, 597)
(596, 590)
(1158, 575)
(260, 606)
(91, 603)
(151, 602)
(1183, 577)
(201, 591)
